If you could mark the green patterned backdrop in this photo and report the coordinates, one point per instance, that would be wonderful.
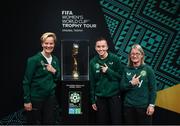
(155, 25)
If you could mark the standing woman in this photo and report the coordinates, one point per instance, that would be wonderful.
(41, 76)
(140, 84)
(105, 75)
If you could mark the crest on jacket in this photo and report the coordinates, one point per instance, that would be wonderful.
(143, 73)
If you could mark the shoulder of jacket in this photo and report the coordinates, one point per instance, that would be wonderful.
(126, 68)
(114, 55)
(148, 67)
(94, 59)
(34, 57)
(115, 58)
(55, 57)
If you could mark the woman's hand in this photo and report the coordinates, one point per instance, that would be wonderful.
(28, 106)
(150, 110)
(104, 68)
(135, 80)
(94, 107)
(50, 68)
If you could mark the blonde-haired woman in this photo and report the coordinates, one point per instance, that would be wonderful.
(40, 78)
(139, 82)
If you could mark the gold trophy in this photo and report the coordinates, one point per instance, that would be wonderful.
(75, 73)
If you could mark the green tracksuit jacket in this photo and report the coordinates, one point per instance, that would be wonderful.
(145, 93)
(39, 83)
(105, 84)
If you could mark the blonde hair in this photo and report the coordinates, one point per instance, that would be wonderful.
(140, 49)
(48, 34)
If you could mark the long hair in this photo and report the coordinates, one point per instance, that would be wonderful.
(136, 46)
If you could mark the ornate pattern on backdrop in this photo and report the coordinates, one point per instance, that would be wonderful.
(155, 25)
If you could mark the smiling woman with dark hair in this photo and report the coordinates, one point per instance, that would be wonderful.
(105, 76)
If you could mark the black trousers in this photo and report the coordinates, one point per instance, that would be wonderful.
(43, 112)
(136, 116)
(109, 110)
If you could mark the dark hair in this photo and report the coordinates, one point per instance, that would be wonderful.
(101, 38)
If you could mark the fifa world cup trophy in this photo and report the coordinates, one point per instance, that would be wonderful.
(75, 73)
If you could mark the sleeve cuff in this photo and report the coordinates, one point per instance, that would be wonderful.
(152, 105)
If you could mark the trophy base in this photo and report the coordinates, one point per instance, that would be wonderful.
(75, 112)
(71, 78)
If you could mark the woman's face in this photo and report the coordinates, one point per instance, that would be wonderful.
(101, 48)
(48, 45)
(136, 56)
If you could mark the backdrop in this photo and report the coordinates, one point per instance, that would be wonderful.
(154, 24)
